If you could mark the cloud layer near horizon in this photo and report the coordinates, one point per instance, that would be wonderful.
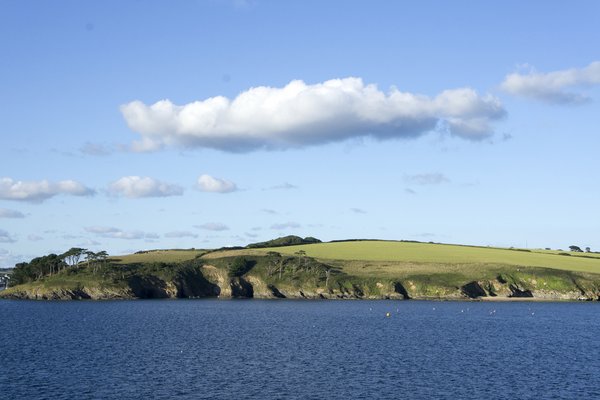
(552, 87)
(38, 191)
(300, 114)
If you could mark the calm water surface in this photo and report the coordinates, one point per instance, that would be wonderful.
(219, 349)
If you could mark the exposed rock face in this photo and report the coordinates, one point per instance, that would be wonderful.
(240, 288)
(194, 284)
(401, 290)
(68, 294)
(473, 290)
(516, 291)
(149, 287)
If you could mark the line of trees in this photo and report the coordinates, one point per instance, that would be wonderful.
(51, 264)
(578, 249)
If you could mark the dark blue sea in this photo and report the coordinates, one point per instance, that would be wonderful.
(253, 349)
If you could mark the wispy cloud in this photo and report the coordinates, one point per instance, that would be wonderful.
(34, 238)
(6, 237)
(213, 226)
(6, 213)
(181, 234)
(115, 233)
(38, 191)
(426, 179)
(301, 114)
(88, 242)
(286, 225)
(96, 149)
(268, 211)
(426, 235)
(207, 183)
(553, 87)
(358, 211)
(135, 187)
(283, 186)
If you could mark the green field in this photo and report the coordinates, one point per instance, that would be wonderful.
(418, 254)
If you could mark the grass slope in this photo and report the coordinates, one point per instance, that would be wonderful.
(409, 253)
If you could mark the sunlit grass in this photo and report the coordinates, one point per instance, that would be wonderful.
(386, 256)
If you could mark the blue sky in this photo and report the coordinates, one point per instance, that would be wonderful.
(130, 125)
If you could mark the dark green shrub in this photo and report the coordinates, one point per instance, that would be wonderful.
(239, 266)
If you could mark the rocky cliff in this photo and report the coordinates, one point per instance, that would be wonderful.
(199, 280)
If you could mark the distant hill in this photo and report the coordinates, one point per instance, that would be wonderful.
(290, 240)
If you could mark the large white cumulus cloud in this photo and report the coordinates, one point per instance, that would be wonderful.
(552, 87)
(300, 114)
(38, 191)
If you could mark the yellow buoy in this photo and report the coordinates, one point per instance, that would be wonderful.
(387, 314)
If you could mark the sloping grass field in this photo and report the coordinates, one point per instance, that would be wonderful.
(451, 256)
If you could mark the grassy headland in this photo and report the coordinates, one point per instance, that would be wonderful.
(345, 269)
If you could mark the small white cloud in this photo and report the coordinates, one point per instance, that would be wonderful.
(251, 235)
(213, 226)
(301, 114)
(552, 87)
(115, 233)
(135, 187)
(38, 191)
(269, 211)
(34, 238)
(286, 225)
(358, 211)
(6, 213)
(5, 237)
(181, 234)
(426, 179)
(207, 183)
(409, 191)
